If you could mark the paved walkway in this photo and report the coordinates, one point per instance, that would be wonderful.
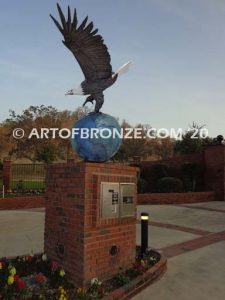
(21, 232)
(193, 237)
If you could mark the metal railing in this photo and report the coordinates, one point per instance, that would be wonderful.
(27, 178)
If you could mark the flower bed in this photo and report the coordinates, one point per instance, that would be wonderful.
(36, 277)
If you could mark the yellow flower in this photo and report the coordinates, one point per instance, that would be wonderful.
(62, 273)
(62, 297)
(10, 280)
(12, 271)
(1, 266)
(79, 291)
(143, 263)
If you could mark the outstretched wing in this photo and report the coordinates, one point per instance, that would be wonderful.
(87, 47)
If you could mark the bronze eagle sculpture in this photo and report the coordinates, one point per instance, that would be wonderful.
(92, 55)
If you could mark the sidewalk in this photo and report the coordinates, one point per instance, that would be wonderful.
(21, 232)
(193, 237)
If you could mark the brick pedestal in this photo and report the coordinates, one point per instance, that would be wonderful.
(215, 170)
(75, 234)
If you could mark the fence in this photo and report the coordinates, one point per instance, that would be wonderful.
(27, 178)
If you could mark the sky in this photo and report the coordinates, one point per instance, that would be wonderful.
(177, 48)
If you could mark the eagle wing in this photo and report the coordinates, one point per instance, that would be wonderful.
(87, 47)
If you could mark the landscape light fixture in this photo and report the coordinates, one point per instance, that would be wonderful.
(144, 232)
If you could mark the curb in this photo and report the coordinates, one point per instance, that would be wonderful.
(141, 282)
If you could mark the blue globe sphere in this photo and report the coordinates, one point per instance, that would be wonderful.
(92, 140)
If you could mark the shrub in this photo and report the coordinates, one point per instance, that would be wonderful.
(20, 185)
(150, 176)
(169, 185)
(160, 171)
(142, 186)
(190, 173)
(122, 279)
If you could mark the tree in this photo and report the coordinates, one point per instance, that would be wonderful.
(132, 147)
(38, 117)
(5, 145)
(192, 141)
(163, 148)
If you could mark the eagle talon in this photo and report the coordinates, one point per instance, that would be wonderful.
(85, 102)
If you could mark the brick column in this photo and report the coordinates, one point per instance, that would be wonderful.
(6, 173)
(75, 235)
(215, 170)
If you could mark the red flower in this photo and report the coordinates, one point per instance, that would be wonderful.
(29, 258)
(21, 284)
(136, 266)
(54, 266)
(40, 279)
(16, 278)
(100, 290)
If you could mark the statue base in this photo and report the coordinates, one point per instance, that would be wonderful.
(90, 222)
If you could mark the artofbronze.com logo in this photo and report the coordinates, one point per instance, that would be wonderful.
(109, 133)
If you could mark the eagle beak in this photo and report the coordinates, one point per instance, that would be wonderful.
(70, 92)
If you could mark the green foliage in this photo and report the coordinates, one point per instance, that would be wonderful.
(122, 155)
(37, 118)
(160, 171)
(28, 185)
(122, 279)
(20, 185)
(28, 277)
(132, 147)
(192, 141)
(142, 185)
(169, 185)
(149, 177)
(190, 173)
(47, 154)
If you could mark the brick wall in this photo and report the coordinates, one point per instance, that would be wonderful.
(174, 165)
(75, 235)
(175, 198)
(215, 170)
(21, 203)
(6, 174)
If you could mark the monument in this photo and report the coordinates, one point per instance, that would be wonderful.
(90, 223)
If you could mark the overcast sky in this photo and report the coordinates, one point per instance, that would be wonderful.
(178, 49)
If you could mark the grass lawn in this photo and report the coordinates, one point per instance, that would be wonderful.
(35, 185)
(27, 185)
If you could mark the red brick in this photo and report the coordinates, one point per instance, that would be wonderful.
(21, 203)
(77, 224)
(175, 198)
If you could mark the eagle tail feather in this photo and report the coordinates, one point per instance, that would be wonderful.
(123, 69)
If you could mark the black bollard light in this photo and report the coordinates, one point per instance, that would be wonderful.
(144, 232)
